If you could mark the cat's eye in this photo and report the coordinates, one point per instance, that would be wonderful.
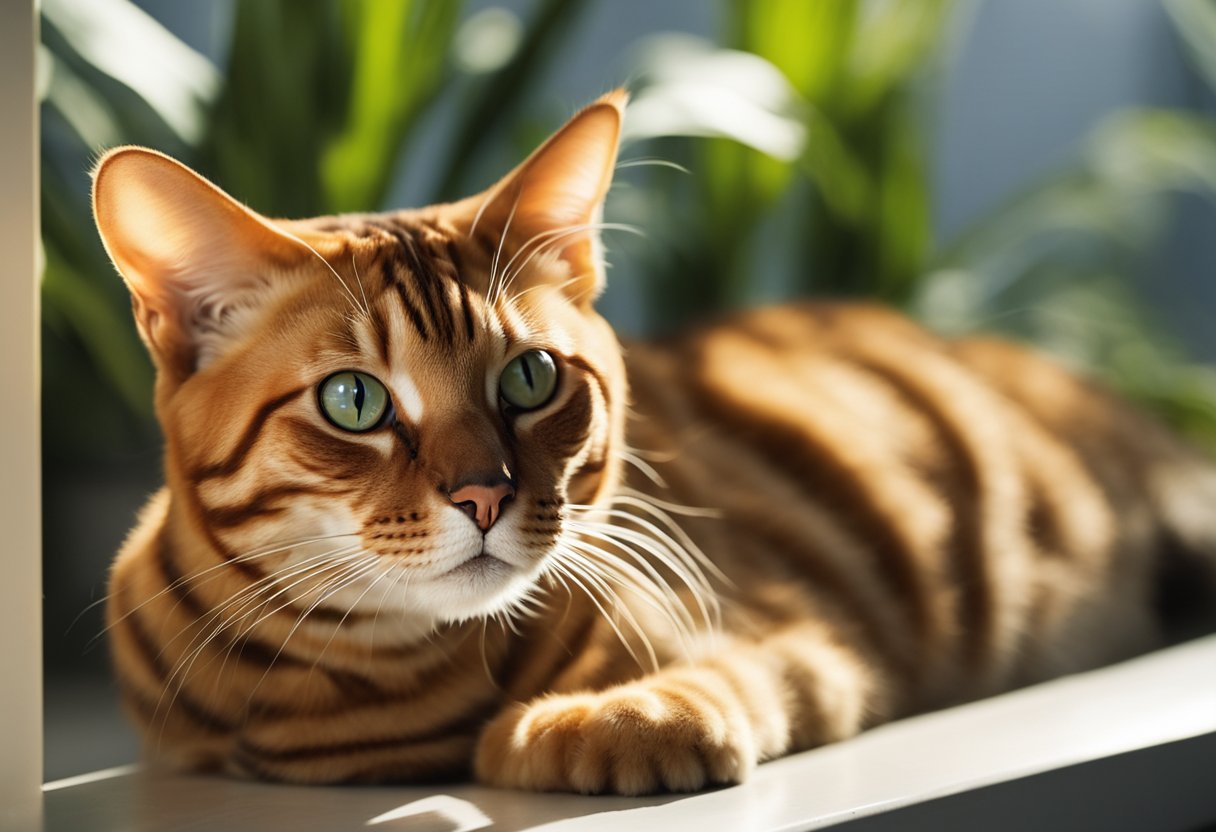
(353, 401)
(528, 380)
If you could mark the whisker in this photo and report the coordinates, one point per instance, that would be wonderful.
(245, 600)
(253, 590)
(643, 466)
(387, 570)
(569, 570)
(240, 637)
(182, 668)
(275, 548)
(371, 640)
(547, 287)
(651, 161)
(367, 307)
(491, 293)
(702, 592)
(685, 549)
(657, 595)
(335, 585)
(349, 294)
(648, 575)
(675, 508)
(553, 237)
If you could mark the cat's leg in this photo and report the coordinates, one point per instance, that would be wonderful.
(688, 725)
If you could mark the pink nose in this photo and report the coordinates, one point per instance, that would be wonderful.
(483, 503)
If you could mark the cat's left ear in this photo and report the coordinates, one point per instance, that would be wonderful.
(193, 257)
(553, 202)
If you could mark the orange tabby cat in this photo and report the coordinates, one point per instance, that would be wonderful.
(399, 541)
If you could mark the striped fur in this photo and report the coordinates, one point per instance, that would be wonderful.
(756, 538)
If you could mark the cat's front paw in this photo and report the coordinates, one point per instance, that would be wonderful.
(631, 740)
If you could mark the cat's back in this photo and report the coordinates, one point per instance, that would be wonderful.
(972, 511)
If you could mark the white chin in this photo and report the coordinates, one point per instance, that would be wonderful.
(480, 586)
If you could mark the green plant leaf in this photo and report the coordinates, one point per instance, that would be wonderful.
(815, 61)
(391, 84)
(498, 94)
(284, 95)
(118, 39)
(894, 40)
(1195, 22)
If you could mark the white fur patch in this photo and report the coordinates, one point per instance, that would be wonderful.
(407, 395)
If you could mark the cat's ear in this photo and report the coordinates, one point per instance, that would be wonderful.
(193, 257)
(553, 202)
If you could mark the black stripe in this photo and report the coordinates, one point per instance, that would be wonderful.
(260, 505)
(453, 767)
(967, 548)
(464, 724)
(516, 662)
(466, 307)
(176, 582)
(812, 461)
(249, 645)
(410, 310)
(424, 280)
(835, 587)
(151, 656)
(432, 288)
(355, 687)
(252, 431)
(575, 361)
(150, 713)
(320, 613)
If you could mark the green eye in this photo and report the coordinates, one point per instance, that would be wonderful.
(353, 401)
(529, 380)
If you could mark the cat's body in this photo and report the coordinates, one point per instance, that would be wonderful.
(882, 521)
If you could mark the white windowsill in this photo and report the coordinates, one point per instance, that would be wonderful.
(1104, 715)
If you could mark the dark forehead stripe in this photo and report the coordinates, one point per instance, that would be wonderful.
(394, 271)
(425, 296)
(422, 264)
(466, 309)
(417, 256)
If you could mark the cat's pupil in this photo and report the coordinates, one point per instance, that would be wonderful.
(359, 394)
(526, 366)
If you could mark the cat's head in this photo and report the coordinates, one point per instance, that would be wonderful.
(408, 400)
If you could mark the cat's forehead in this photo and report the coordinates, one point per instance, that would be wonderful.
(447, 284)
(427, 307)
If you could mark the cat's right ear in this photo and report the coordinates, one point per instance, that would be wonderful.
(189, 253)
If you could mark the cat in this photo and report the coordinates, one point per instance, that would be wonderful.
(424, 518)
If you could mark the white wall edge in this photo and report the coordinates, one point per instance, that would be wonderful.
(20, 447)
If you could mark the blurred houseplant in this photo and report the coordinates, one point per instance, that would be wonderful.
(807, 158)
(837, 183)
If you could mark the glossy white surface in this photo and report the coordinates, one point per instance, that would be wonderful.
(1166, 696)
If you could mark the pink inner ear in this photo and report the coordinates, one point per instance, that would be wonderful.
(170, 232)
(559, 188)
(186, 250)
(565, 181)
